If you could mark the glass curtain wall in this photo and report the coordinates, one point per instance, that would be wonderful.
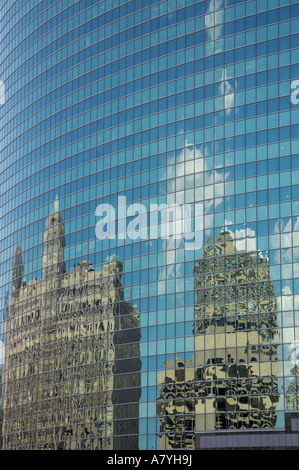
(117, 334)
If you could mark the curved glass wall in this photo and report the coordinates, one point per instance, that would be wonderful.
(149, 221)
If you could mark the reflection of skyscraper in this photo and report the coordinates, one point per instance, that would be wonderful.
(236, 339)
(235, 377)
(71, 380)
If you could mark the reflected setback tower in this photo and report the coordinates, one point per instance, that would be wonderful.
(232, 382)
(69, 382)
(236, 339)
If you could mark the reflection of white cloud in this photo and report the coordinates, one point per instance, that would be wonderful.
(286, 290)
(226, 87)
(288, 302)
(229, 101)
(209, 181)
(214, 20)
(216, 4)
(288, 306)
(161, 288)
(213, 15)
(214, 23)
(286, 241)
(245, 239)
(294, 356)
(192, 161)
(1, 352)
(185, 161)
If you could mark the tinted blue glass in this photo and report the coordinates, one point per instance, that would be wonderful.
(135, 339)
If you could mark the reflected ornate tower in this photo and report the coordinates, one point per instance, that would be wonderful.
(72, 356)
(233, 381)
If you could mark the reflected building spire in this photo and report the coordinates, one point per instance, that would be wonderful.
(54, 244)
(18, 270)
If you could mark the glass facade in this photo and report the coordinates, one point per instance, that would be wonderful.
(114, 333)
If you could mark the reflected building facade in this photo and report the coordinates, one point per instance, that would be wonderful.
(236, 338)
(176, 404)
(70, 380)
(233, 381)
